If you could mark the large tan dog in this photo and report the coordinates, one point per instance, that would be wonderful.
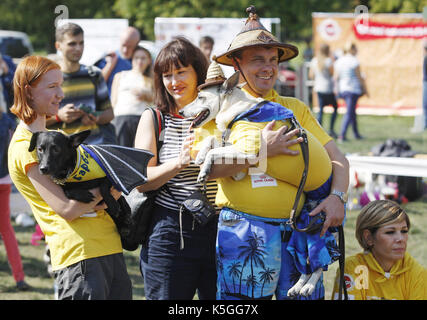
(223, 102)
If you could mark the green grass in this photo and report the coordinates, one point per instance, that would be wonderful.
(375, 130)
(36, 273)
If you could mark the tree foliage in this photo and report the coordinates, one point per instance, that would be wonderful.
(397, 6)
(37, 17)
(295, 15)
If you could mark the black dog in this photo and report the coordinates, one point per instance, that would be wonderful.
(57, 155)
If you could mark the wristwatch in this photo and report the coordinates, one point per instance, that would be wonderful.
(341, 195)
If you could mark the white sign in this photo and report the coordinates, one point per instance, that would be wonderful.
(101, 36)
(329, 30)
(222, 30)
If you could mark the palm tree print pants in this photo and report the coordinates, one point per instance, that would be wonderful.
(258, 257)
(252, 259)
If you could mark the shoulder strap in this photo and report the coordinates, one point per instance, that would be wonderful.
(159, 126)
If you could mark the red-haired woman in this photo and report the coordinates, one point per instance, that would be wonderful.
(86, 251)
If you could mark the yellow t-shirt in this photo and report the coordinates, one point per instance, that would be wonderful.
(89, 236)
(209, 129)
(366, 280)
(246, 136)
(264, 195)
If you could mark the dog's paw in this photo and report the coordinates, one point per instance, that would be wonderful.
(295, 290)
(307, 290)
(239, 176)
(202, 177)
(203, 174)
(201, 156)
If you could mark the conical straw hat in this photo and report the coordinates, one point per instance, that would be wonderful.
(255, 34)
(214, 76)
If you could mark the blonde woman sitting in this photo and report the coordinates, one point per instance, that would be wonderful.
(384, 270)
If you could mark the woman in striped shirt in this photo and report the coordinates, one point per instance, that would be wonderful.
(179, 258)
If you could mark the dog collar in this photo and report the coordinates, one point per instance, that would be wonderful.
(70, 173)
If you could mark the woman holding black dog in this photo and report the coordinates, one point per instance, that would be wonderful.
(179, 257)
(85, 247)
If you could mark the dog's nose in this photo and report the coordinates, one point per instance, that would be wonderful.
(43, 170)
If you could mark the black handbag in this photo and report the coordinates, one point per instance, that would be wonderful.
(199, 206)
(142, 203)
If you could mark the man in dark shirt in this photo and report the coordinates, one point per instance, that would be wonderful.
(86, 104)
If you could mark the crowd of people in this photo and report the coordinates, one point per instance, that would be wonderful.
(341, 78)
(244, 251)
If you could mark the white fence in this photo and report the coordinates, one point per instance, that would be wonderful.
(413, 167)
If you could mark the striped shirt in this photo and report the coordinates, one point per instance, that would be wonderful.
(85, 86)
(185, 182)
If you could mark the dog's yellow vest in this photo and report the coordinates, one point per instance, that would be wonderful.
(69, 241)
(86, 168)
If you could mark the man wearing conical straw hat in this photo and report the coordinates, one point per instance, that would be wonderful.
(256, 53)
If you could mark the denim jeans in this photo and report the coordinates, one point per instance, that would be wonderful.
(350, 117)
(171, 273)
(326, 99)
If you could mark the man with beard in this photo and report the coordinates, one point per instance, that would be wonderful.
(86, 105)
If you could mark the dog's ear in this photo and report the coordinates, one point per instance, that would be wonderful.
(33, 141)
(231, 82)
(77, 138)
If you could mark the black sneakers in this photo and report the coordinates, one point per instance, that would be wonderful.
(22, 286)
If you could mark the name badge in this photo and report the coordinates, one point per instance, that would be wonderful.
(263, 180)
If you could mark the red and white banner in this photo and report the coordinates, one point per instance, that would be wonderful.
(370, 30)
(390, 52)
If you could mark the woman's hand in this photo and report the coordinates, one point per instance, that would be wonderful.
(184, 157)
(100, 205)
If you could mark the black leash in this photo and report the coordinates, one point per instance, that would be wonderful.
(313, 226)
(341, 246)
